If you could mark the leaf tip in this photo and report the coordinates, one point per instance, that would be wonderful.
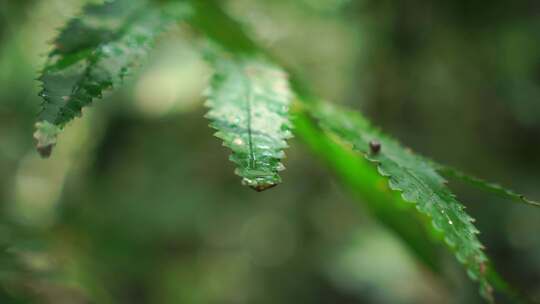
(45, 136)
(259, 184)
(263, 187)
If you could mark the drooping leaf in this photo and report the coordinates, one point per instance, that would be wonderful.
(417, 182)
(95, 52)
(487, 186)
(249, 103)
(364, 182)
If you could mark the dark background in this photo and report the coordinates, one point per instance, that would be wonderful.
(140, 205)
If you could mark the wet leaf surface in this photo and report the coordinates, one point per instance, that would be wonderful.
(418, 182)
(96, 51)
(249, 103)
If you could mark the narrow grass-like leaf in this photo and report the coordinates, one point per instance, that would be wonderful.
(249, 103)
(95, 52)
(487, 186)
(417, 181)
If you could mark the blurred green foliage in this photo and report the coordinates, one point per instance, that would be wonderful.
(139, 206)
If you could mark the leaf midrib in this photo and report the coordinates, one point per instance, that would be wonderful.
(248, 96)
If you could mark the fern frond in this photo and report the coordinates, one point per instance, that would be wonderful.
(94, 53)
(249, 103)
(485, 185)
(417, 181)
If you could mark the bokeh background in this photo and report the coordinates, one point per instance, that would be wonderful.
(139, 204)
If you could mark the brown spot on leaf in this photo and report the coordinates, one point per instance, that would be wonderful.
(45, 137)
(263, 187)
(483, 268)
(375, 146)
(45, 151)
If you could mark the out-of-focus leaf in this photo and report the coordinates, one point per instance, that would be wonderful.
(95, 52)
(485, 185)
(249, 104)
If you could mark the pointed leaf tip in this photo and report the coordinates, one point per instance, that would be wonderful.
(45, 136)
(259, 184)
(263, 187)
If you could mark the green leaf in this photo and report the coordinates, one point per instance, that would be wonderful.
(95, 52)
(487, 186)
(371, 189)
(210, 18)
(417, 181)
(249, 103)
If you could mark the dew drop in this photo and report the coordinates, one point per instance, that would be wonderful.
(238, 141)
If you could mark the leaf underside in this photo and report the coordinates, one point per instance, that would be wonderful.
(95, 52)
(249, 103)
(417, 181)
